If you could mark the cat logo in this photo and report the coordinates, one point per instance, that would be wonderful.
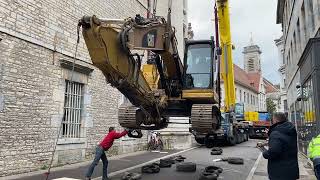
(151, 40)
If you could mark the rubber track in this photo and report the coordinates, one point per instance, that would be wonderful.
(127, 117)
(202, 118)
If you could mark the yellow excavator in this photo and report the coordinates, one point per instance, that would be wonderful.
(165, 86)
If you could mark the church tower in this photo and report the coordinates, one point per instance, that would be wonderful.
(252, 58)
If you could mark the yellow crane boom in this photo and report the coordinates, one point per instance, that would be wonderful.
(226, 64)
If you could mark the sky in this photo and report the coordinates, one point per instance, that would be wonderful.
(247, 16)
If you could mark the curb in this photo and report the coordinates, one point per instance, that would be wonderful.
(251, 174)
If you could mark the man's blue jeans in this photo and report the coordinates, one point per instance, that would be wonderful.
(99, 155)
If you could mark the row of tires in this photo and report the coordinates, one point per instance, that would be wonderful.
(209, 173)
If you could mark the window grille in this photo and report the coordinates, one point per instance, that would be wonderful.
(71, 122)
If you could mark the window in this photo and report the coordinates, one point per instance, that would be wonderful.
(244, 96)
(248, 99)
(299, 34)
(291, 55)
(285, 17)
(71, 121)
(295, 43)
(240, 96)
(199, 66)
(311, 15)
(253, 99)
(304, 19)
(285, 105)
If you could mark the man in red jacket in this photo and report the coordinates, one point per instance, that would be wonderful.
(104, 145)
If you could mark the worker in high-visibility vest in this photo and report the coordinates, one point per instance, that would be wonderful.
(314, 154)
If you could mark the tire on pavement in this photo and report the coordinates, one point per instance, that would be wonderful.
(216, 152)
(216, 149)
(156, 164)
(208, 176)
(131, 176)
(150, 169)
(181, 157)
(179, 160)
(213, 169)
(186, 167)
(235, 160)
(170, 159)
(165, 163)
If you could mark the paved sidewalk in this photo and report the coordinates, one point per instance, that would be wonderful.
(306, 172)
(77, 171)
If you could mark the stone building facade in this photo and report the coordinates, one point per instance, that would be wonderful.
(283, 107)
(300, 21)
(37, 46)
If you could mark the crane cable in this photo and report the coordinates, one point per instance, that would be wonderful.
(71, 81)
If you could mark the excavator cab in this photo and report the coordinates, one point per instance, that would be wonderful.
(199, 68)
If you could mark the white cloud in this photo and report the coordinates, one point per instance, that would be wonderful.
(256, 16)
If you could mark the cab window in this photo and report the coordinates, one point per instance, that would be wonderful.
(199, 66)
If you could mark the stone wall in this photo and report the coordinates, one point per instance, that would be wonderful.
(36, 36)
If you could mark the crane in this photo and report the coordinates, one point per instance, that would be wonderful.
(234, 130)
(226, 61)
